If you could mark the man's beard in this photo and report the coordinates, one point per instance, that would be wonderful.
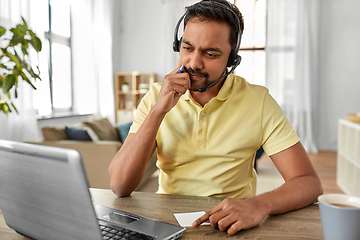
(198, 73)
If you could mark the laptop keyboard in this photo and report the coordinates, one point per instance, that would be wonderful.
(110, 233)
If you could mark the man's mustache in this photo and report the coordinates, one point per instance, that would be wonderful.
(196, 72)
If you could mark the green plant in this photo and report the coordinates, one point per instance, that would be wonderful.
(15, 62)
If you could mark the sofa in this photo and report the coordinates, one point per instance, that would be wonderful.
(97, 141)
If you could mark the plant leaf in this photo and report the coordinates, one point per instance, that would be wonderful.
(3, 66)
(5, 108)
(25, 24)
(8, 82)
(35, 41)
(33, 74)
(15, 108)
(1, 107)
(19, 30)
(24, 48)
(13, 58)
(2, 31)
(16, 39)
(24, 77)
(8, 107)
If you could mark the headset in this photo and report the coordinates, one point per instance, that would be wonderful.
(233, 60)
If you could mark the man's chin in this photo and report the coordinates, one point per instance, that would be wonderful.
(195, 88)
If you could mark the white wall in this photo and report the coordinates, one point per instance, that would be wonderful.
(140, 37)
(339, 80)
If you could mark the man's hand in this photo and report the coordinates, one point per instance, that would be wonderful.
(173, 87)
(233, 215)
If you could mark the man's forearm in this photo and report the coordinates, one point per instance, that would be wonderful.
(129, 164)
(294, 194)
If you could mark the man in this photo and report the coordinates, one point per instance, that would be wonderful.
(206, 141)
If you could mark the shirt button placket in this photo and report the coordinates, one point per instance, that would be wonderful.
(201, 133)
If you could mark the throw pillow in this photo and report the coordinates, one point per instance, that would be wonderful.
(89, 131)
(79, 134)
(103, 129)
(124, 130)
(54, 133)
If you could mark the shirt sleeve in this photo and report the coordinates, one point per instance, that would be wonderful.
(278, 134)
(146, 103)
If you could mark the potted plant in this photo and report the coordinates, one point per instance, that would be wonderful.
(125, 87)
(15, 63)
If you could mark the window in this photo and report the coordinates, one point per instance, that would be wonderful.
(56, 86)
(252, 49)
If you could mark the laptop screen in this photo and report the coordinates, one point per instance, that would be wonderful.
(44, 192)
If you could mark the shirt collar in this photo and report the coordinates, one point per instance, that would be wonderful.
(226, 88)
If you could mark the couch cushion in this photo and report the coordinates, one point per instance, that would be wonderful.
(89, 130)
(75, 133)
(103, 129)
(124, 130)
(54, 133)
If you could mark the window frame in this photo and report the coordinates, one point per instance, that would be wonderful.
(255, 49)
(55, 38)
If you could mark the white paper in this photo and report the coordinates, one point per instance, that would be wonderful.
(186, 219)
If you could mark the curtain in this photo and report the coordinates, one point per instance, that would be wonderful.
(291, 62)
(92, 55)
(22, 126)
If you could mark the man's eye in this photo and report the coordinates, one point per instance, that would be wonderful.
(212, 55)
(186, 48)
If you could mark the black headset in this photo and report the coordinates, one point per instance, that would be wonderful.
(234, 59)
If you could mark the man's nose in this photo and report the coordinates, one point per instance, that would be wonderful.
(196, 61)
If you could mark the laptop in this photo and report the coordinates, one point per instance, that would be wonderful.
(44, 194)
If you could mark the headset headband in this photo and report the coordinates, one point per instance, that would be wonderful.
(234, 59)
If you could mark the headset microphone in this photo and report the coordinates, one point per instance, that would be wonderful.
(203, 89)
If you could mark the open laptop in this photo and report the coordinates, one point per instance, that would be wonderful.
(44, 194)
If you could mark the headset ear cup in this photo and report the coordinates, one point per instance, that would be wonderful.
(231, 58)
(237, 60)
(234, 59)
(177, 45)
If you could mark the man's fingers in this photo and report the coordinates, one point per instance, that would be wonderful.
(176, 70)
(200, 220)
(226, 222)
(181, 79)
(206, 216)
(235, 227)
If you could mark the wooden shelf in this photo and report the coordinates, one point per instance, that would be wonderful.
(138, 85)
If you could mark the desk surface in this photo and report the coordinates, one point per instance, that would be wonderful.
(301, 224)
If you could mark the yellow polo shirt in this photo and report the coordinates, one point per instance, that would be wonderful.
(210, 150)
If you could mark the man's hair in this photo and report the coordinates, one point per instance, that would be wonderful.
(219, 12)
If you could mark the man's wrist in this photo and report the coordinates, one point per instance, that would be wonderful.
(157, 112)
(263, 203)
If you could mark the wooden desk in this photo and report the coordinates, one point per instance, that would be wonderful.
(302, 224)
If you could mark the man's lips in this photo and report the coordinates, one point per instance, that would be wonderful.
(195, 77)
